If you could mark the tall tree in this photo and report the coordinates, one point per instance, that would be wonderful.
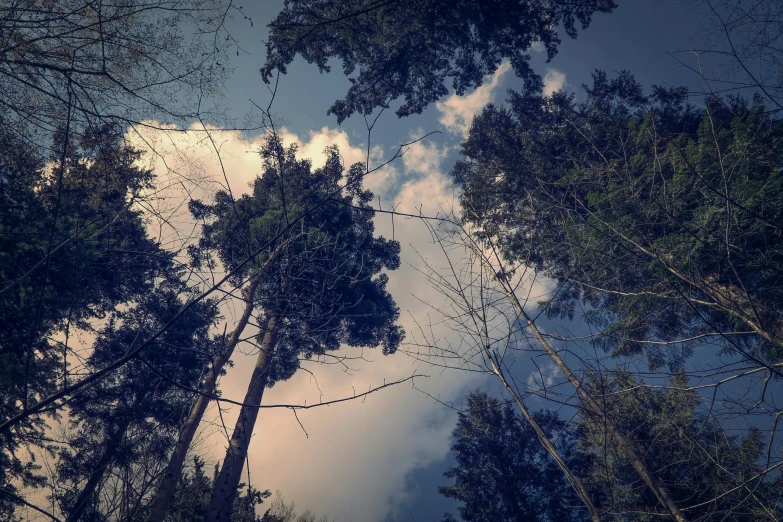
(503, 473)
(411, 48)
(192, 498)
(325, 290)
(715, 474)
(259, 264)
(73, 248)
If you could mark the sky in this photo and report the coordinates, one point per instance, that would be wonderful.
(382, 458)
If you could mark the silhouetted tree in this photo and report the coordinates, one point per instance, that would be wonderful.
(661, 220)
(139, 408)
(324, 290)
(74, 247)
(192, 498)
(716, 474)
(411, 48)
(503, 473)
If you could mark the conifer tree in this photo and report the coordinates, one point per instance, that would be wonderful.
(326, 289)
(72, 248)
(660, 221)
(411, 48)
(503, 473)
(137, 409)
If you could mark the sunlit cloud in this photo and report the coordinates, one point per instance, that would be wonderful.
(456, 112)
(554, 81)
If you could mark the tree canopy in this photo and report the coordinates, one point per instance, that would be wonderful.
(660, 220)
(410, 49)
(503, 473)
(326, 288)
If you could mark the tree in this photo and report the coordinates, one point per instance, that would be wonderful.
(410, 49)
(135, 412)
(192, 497)
(73, 248)
(81, 64)
(487, 304)
(740, 43)
(324, 290)
(656, 220)
(717, 474)
(503, 473)
(279, 511)
(261, 262)
(662, 220)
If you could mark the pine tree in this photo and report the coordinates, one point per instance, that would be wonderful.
(503, 473)
(326, 289)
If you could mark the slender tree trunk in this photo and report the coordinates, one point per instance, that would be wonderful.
(584, 395)
(115, 440)
(576, 482)
(593, 406)
(225, 488)
(171, 475)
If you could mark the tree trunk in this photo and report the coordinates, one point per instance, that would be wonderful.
(171, 475)
(115, 440)
(225, 488)
(587, 399)
(594, 407)
(576, 483)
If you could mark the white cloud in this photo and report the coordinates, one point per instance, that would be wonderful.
(538, 46)
(544, 377)
(554, 81)
(424, 157)
(457, 111)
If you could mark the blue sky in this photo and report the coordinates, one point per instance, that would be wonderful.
(383, 459)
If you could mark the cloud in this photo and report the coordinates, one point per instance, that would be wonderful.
(457, 111)
(554, 81)
(424, 157)
(538, 46)
(543, 378)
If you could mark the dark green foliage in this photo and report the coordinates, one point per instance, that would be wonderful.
(663, 221)
(192, 498)
(411, 48)
(131, 418)
(99, 256)
(503, 473)
(327, 287)
(690, 454)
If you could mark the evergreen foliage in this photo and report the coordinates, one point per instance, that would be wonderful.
(73, 249)
(130, 419)
(503, 473)
(662, 220)
(411, 48)
(326, 289)
(715, 474)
